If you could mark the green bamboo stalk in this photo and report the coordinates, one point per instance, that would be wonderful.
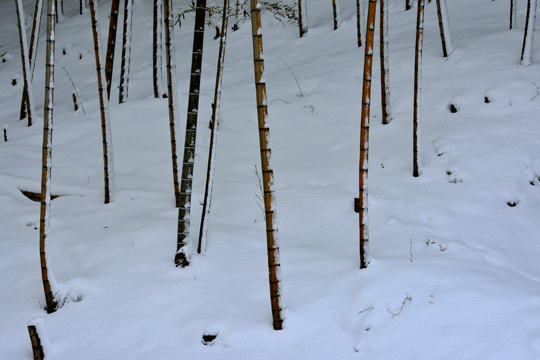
(213, 136)
(272, 242)
(364, 136)
(46, 161)
(111, 44)
(418, 89)
(384, 63)
(183, 249)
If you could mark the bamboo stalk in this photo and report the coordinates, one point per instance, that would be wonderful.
(418, 89)
(384, 63)
(37, 349)
(408, 4)
(528, 36)
(172, 97)
(513, 14)
(274, 266)
(213, 136)
(108, 164)
(444, 27)
(359, 16)
(335, 13)
(46, 160)
(364, 136)
(32, 51)
(126, 52)
(157, 49)
(302, 17)
(183, 249)
(111, 44)
(25, 61)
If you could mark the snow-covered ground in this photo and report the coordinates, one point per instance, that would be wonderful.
(455, 251)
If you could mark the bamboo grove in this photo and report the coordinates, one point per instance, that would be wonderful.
(163, 41)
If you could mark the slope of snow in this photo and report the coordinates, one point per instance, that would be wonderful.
(454, 273)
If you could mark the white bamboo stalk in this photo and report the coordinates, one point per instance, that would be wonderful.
(25, 60)
(528, 37)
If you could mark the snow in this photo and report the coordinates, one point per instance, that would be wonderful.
(461, 240)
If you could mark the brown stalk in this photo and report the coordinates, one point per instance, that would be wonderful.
(441, 28)
(359, 22)
(171, 91)
(37, 349)
(364, 136)
(103, 106)
(274, 266)
(25, 62)
(334, 11)
(302, 17)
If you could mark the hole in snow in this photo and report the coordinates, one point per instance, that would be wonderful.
(453, 109)
(208, 339)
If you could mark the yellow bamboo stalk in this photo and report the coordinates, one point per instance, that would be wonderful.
(274, 266)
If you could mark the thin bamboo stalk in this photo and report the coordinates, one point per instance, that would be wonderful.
(126, 52)
(513, 14)
(364, 136)
(302, 17)
(46, 162)
(111, 44)
(384, 63)
(106, 135)
(213, 136)
(172, 97)
(157, 49)
(418, 89)
(34, 37)
(274, 266)
(183, 250)
(25, 61)
(37, 349)
(528, 36)
(359, 22)
(444, 27)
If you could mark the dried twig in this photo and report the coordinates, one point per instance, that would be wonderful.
(294, 76)
(76, 92)
(408, 298)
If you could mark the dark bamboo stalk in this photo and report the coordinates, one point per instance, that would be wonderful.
(126, 52)
(183, 250)
(302, 17)
(384, 63)
(359, 17)
(274, 266)
(364, 136)
(335, 13)
(156, 48)
(408, 4)
(528, 36)
(418, 88)
(25, 61)
(444, 28)
(213, 136)
(111, 44)
(108, 165)
(37, 349)
(46, 159)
